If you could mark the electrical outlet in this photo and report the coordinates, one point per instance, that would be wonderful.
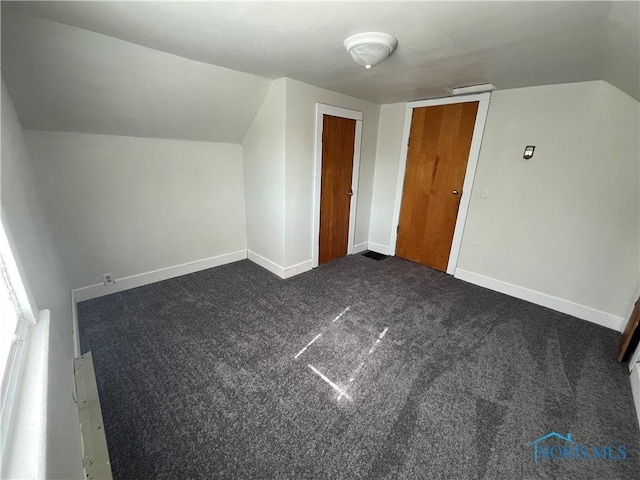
(107, 278)
(485, 192)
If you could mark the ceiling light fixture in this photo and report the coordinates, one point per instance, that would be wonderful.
(370, 48)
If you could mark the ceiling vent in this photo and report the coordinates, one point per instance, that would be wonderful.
(481, 88)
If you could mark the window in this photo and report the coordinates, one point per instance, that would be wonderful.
(16, 315)
(11, 315)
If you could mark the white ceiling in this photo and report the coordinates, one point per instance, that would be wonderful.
(441, 44)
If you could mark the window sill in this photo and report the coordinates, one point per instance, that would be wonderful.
(25, 450)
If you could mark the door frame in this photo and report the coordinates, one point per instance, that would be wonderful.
(472, 162)
(321, 110)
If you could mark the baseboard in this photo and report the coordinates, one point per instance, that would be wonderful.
(276, 269)
(561, 305)
(361, 247)
(377, 247)
(635, 389)
(266, 264)
(298, 268)
(99, 290)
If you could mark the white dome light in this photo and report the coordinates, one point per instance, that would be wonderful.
(370, 48)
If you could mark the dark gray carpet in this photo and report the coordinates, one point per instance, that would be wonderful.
(197, 378)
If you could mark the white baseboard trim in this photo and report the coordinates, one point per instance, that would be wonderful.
(377, 247)
(635, 389)
(298, 268)
(276, 269)
(561, 305)
(266, 263)
(99, 290)
(360, 247)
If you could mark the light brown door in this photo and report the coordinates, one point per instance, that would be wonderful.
(338, 138)
(439, 145)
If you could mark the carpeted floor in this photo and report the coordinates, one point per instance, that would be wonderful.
(414, 375)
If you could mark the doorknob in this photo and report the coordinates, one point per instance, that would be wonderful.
(350, 193)
(455, 192)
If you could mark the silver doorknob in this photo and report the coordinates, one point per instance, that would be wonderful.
(350, 193)
(455, 192)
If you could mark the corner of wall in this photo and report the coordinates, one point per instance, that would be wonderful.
(285, 122)
(263, 153)
(27, 218)
(387, 163)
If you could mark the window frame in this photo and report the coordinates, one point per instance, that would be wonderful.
(10, 376)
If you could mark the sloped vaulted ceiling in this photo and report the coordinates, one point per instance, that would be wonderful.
(64, 78)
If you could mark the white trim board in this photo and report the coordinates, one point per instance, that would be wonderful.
(74, 329)
(95, 458)
(360, 247)
(634, 377)
(558, 304)
(321, 110)
(635, 358)
(297, 269)
(266, 263)
(282, 272)
(474, 154)
(99, 290)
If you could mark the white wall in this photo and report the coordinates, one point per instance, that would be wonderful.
(34, 247)
(386, 176)
(126, 205)
(263, 162)
(564, 223)
(279, 156)
(301, 102)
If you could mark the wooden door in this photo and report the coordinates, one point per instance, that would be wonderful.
(439, 144)
(338, 140)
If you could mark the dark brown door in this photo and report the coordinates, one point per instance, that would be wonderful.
(439, 145)
(338, 137)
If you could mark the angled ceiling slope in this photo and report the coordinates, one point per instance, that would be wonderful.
(63, 78)
(441, 44)
(200, 70)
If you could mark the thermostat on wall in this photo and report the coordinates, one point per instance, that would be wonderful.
(528, 152)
